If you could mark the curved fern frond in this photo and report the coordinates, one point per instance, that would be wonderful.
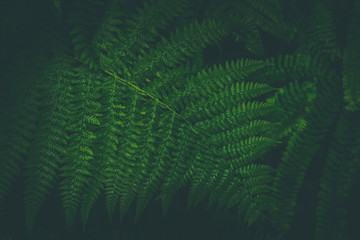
(140, 30)
(336, 178)
(248, 188)
(85, 20)
(235, 130)
(168, 53)
(297, 67)
(301, 148)
(292, 102)
(322, 42)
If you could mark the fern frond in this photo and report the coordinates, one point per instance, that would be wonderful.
(146, 150)
(237, 116)
(248, 188)
(204, 179)
(252, 128)
(292, 101)
(322, 42)
(85, 20)
(228, 117)
(267, 14)
(141, 30)
(183, 43)
(181, 161)
(298, 67)
(336, 178)
(120, 172)
(157, 169)
(222, 80)
(231, 96)
(351, 63)
(166, 83)
(247, 150)
(42, 166)
(105, 145)
(20, 140)
(224, 184)
(301, 148)
(79, 154)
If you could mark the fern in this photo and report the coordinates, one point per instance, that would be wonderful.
(19, 143)
(85, 19)
(336, 179)
(322, 41)
(42, 166)
(106, 143)
(293, 102)
(124, 47)
(350, 63)
(301, 148)
(136, 112)
(75, 164)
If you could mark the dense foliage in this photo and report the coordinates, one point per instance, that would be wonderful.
(133, 100)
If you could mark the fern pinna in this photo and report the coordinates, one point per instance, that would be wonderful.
(132, 109)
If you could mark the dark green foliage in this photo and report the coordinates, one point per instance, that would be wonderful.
(85, 18)
(134, 112)
(50, 138)
(20, 136)
(336, 178)
(351, 61)
(301, 148)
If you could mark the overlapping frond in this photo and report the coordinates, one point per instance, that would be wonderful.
(82, 117)
(237, 134)
(50, 138)
(19, 143)
(301, 148)
(85, 18)
(335, 183)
